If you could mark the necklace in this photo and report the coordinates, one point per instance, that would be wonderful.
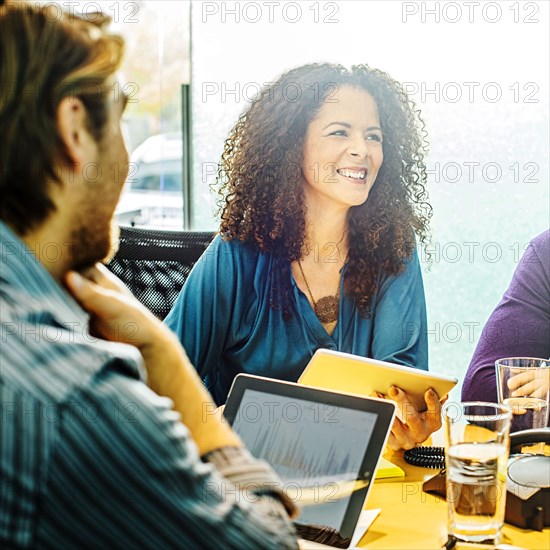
(328, 307)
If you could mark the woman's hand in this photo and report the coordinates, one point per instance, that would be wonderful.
(415, 427)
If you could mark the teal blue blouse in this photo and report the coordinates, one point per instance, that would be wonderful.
(223, 319)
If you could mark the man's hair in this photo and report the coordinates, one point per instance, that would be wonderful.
(46, 55)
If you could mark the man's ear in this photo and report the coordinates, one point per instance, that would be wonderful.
(71, 122)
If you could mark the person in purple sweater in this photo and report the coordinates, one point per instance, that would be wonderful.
(520, 324)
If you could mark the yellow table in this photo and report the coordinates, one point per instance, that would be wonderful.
(413, 519)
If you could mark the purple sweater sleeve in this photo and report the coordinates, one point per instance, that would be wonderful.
(520, 324)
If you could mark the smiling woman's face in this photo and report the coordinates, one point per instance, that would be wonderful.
(342, 151)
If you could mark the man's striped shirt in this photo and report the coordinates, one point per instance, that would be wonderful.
(90, 457)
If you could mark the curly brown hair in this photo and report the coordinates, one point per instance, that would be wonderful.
(261, 198)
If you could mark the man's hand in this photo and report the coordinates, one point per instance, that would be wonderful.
(117, 316)
(415, 427)
(531, 383)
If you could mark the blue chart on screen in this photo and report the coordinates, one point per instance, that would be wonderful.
(313, 447)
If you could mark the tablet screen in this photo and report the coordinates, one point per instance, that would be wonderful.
(317, 449)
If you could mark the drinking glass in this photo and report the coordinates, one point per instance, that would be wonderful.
(477, 446)
(524, 384)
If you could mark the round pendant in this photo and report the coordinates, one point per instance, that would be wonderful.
(327, 308)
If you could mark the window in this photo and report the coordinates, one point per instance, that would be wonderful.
(156, 66)
(479, 73)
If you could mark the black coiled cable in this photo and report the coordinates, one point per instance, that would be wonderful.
(426, 457)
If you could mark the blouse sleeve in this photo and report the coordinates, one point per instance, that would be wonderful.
(202, 314)
(399, 323)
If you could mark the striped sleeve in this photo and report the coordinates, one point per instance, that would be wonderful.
(239, 467)
(126, 473)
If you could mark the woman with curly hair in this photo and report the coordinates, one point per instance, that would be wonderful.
(321, 196)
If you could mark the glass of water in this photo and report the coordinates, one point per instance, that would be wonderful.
(477, 446)
(524, 384)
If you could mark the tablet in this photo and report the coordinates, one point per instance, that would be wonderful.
(324, 446)
(338, 371)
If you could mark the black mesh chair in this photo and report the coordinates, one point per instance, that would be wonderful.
(154, 264)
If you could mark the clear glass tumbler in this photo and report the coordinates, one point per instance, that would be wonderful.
(524, 384)
(477, 447)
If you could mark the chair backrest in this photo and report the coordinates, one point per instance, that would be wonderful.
(154, 264)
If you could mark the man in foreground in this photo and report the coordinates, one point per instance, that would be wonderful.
(89, 455)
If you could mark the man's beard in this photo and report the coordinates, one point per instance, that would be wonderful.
(93, 243)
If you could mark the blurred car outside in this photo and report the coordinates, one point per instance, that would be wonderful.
(152, 194)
